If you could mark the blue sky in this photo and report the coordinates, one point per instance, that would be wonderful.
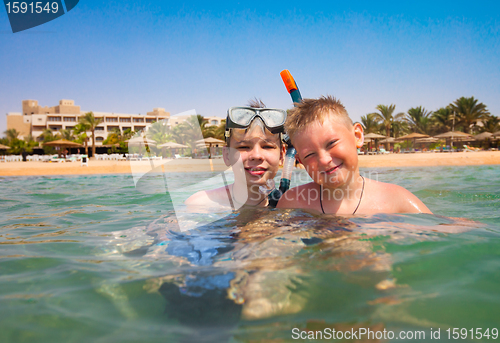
(129, 57)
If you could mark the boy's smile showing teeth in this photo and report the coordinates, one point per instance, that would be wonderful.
(333, 170)
(256, 171)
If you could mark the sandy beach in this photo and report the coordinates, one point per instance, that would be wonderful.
(120, 167)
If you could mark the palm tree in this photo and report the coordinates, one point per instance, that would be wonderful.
(11, 134)
(67, 134)
(216, 131)
(47, 136)
(441, 120)
(91, 121)
(419, 119)
(188, 132)
(400, 128)
(468, 112)
(159, 132)
(81, 129)
(491, 125)
(370, 124)
(386, 118)
(114, 136)
(127, 134)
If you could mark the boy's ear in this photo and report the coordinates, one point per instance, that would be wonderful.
(225, 156)
(359, 135)
(282, 154)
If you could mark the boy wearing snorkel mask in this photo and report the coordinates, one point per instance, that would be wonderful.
(326, 141)
(254, 150)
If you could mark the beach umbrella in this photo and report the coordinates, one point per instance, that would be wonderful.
(210, 141)
(172, 145)
(141, 140)
(374, 135)
(413, 135)
(4, 147)
(483, 136)
(63, 143)
(427, 140)
(455, 135)
(388, 140)
(496, 134)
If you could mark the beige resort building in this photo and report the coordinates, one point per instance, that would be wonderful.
(34, 119)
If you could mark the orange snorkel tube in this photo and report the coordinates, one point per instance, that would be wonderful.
(286, 174)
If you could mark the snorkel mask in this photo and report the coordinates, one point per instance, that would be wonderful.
(242, 117)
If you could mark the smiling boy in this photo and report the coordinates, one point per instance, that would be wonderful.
(326, 141)
(253, 137)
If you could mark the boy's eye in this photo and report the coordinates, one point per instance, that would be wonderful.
(269, 147)
(242, 147)
(332, 143)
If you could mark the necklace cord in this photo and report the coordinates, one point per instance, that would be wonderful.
(232, 200)
(359, 202)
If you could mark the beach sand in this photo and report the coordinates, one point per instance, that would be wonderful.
(120, 167)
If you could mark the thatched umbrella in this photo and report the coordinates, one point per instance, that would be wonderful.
(413, 135)
(390, 140)
(496, 134)
(373, 136)
(210, 141)
(172, 145)
(63, 143)
(426, 140)
(455, 135)
(483, 136)
(4, 147)
(141, 140)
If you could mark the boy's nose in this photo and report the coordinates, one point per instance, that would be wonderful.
(256, 153)
(324, 158)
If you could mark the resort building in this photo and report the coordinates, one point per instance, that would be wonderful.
(34, 119)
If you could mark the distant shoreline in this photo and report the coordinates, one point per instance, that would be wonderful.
(124, 167)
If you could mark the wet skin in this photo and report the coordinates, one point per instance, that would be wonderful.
(328, 151)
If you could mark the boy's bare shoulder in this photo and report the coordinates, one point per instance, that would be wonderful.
(387, 198)
(300, 196)
(210, 197)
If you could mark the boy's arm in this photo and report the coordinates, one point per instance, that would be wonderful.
(299, 197)
(407, 202)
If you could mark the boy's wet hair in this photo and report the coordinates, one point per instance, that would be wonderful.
(310, 110)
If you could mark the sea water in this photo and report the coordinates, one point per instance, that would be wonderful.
(91, 259)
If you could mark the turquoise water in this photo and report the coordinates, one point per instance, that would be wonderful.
(90, 259)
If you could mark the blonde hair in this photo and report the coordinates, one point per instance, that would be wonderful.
(311, 110)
